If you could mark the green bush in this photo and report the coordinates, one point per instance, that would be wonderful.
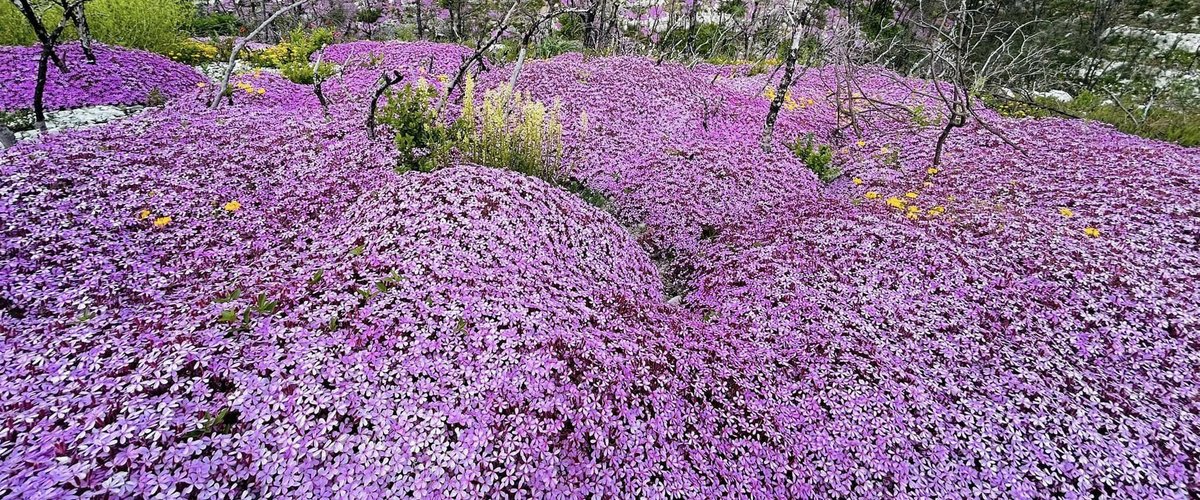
(302, 71)
(818, 158)
(215, 24)
(153, 25)
(423, 142)
(514, 132)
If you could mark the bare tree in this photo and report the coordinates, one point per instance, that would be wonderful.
(477, 57)
(798, 15)
(224, 85)
(48, 40)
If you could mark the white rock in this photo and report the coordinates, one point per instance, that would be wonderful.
(80, 117)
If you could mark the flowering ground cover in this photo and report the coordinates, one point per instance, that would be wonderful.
(252, 299)
(120, 77)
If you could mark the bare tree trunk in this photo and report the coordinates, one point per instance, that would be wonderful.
(387, 83)
(317, 80)
(420, 21)
(39, 30)
(690, 46)
(238, 48)
(39, 90)
(79, 17)
(785, 82)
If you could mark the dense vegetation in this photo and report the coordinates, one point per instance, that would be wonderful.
(567, 252)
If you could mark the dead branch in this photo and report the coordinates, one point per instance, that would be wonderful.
(241, 44)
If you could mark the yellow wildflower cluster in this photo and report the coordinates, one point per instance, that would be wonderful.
(789, 103)
(232, 206)
(1091, 232)
(250, 89)
(273, 56)
(193, 52)
(162, 221)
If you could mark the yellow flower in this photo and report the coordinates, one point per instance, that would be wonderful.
(232, 206)
(885, 150)
(769, 94)
(931, 170)
(895, 202)
(1066, 212)
(201, 84)
(912, 215)
(935, 211)
(262, 91)
(809, 102)
(857, 181)
(143, 214)
(861, 143)
(162, 221)
(871, 195)
(910, 194)
(1091, 231)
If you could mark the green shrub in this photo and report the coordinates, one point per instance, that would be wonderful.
(215, 24)
(818, 158)
(368, 16)
(193, 52)
(423, 142)
(17, 121)
(554, 45)
(302, 71)
(514, 132)
(153, 25)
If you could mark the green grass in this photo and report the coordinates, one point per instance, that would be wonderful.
(154, 25)
(1164, 123)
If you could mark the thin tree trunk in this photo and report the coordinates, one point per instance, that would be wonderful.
(79, 17)
(420, 21)
(238, 48)
(39, 89)
(43, 36)
(785, 82)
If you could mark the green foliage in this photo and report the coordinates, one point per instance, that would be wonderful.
(515, 132)
(215, 24)
(302, 71)
(14, 30)
(368, 16)
(18, 120)
(555, 46)
(292, 55)
(192, 52)
(818, 157)
(422, 140)
(153, 25)
(1174, 123)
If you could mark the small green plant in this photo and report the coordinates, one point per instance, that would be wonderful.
(514, 132)
(921, 117)
(302, 71)
(215, 24)
(818, 157)
(18, 120)
(422, 140)
(368, 16)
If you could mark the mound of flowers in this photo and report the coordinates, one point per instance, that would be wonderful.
(120, 76)
(252, 300)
